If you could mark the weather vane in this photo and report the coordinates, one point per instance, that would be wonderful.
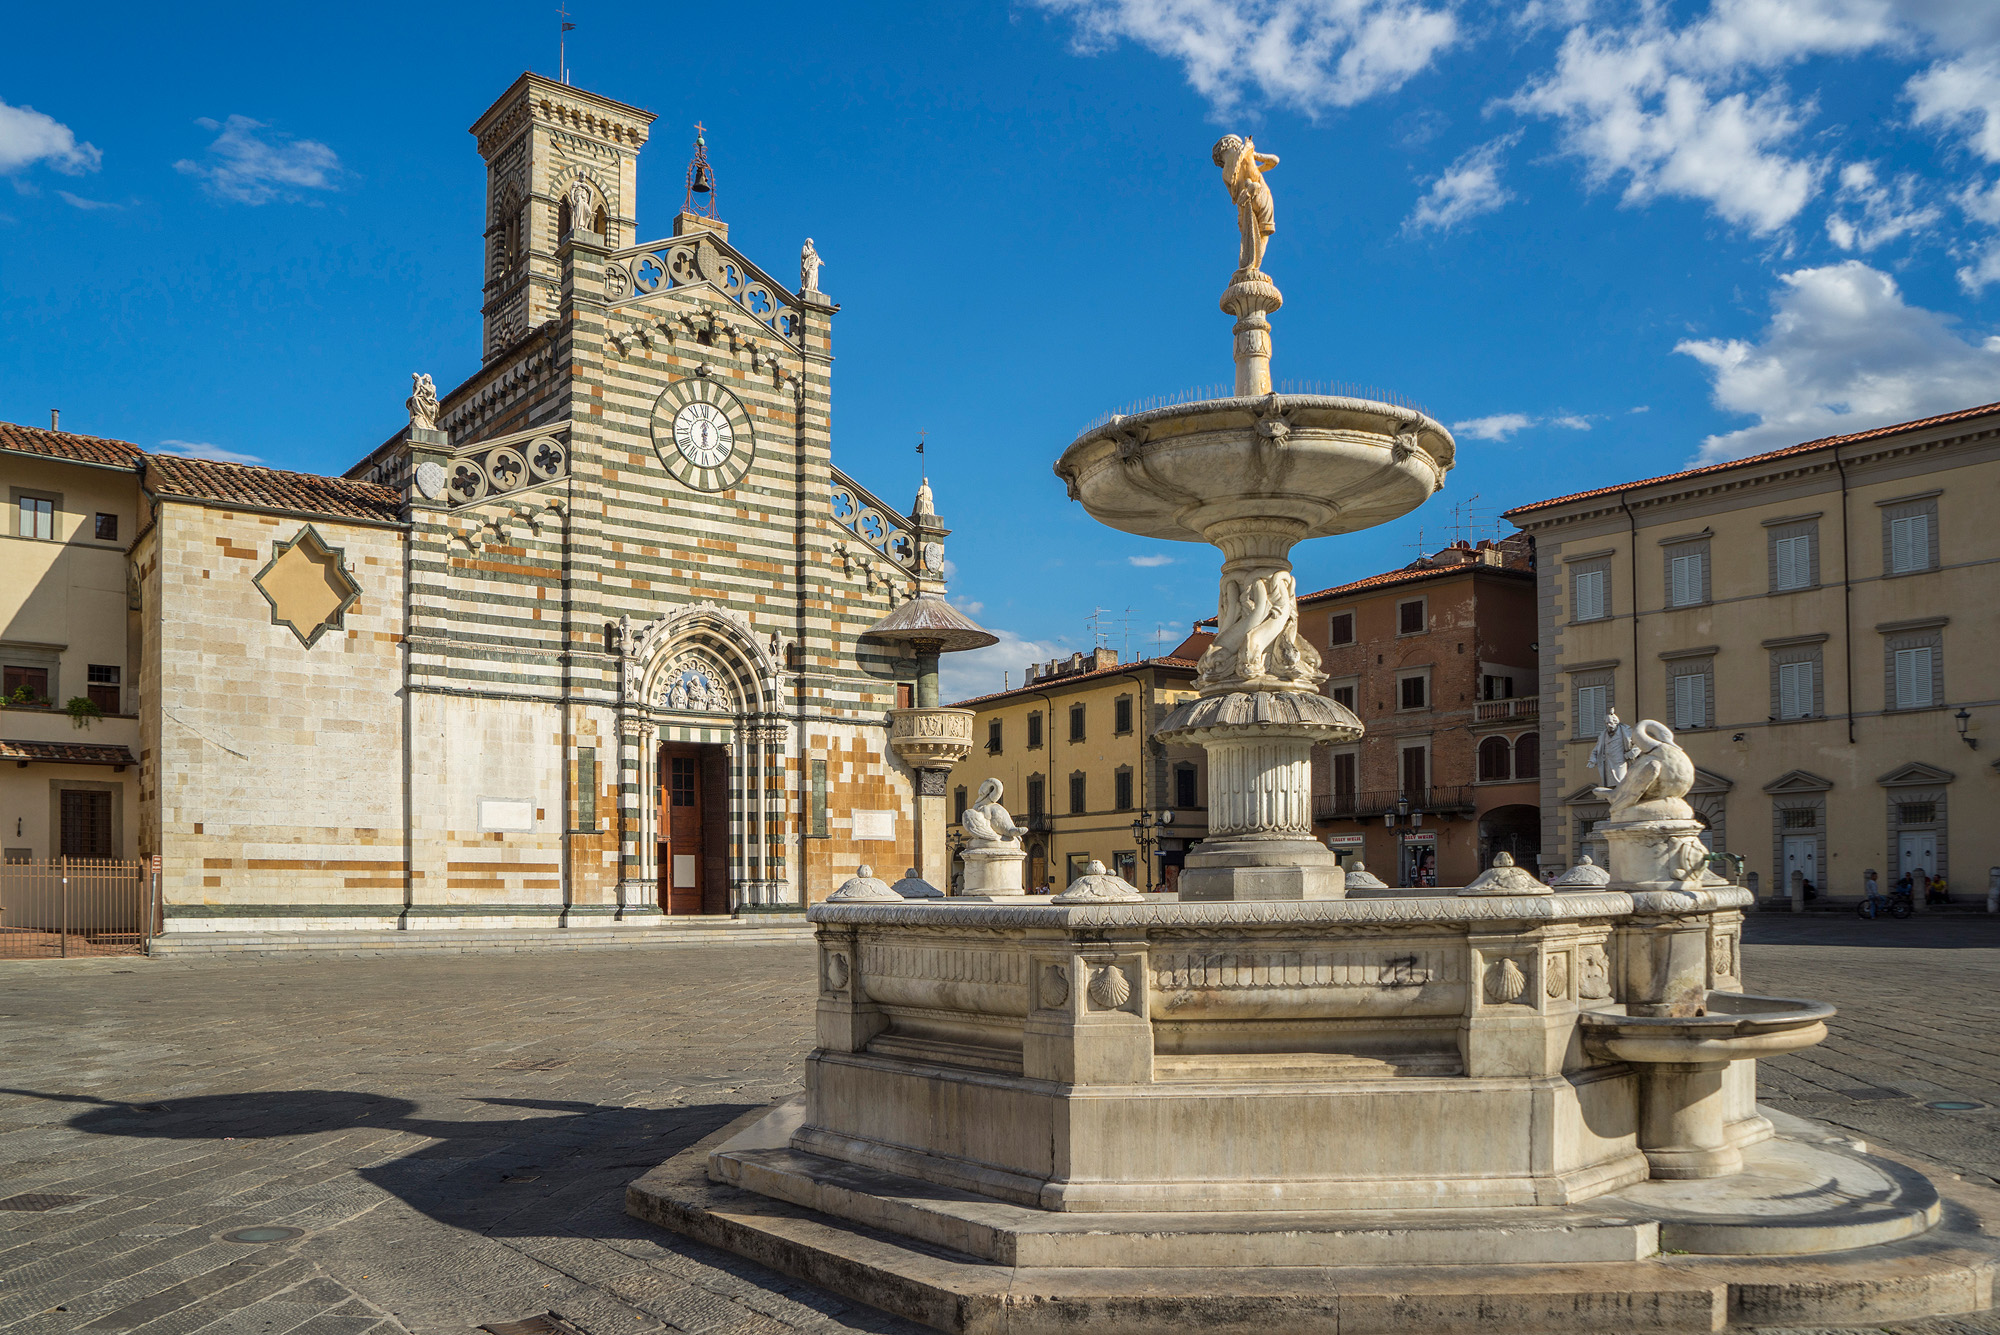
(562, 44)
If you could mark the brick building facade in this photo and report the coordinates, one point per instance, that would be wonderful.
(1439, 662)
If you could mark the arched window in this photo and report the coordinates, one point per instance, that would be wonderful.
(1528, 756)
(601, 223)
(1493, 754)
(562, 219)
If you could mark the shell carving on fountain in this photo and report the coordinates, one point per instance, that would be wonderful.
(1505, 982)
(1109, 988)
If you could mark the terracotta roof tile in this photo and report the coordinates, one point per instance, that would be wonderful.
(1047, 682)
(66, 753)
(1823, 443)
(271, 488)
(67, 445)
(206, 479)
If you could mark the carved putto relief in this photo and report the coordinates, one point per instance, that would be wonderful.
(1257, 635)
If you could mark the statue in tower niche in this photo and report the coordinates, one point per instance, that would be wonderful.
(423, 402)
(1243, 169)
(581, 217)
(809, 266)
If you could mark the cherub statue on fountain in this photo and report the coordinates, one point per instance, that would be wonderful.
(1243, 169)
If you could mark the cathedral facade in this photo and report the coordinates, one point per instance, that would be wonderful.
(584, 644)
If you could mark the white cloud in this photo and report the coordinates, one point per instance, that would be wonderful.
(1571, 422)
(1842, 352)
(982, 671)
(1887, 211)
(1699, 111)
(1497, 427)
(87, 205)
(1467, 188)
(1305, 54)
(27, 136)
(1963, 95)
(200, 449)
(1629, 107)
(253, 167)
(1148, 562)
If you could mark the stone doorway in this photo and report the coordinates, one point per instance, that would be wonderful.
(694, 830)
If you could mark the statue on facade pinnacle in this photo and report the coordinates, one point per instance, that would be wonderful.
(423, 402)
(809, 266)
(1243, 169)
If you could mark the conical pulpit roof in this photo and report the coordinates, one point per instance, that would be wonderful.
(931, 619)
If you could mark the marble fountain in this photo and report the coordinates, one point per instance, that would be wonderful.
(1264, 1104)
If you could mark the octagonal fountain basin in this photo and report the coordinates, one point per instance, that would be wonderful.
(1681, 1060)
(1326, 463)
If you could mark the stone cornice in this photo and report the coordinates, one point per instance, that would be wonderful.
(1401, 911)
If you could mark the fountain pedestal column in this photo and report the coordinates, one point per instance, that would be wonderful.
(1260, 843)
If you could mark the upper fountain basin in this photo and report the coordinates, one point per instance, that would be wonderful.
(1327, 463)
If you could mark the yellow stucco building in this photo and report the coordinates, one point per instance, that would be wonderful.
(1816, 624)
(1073, 749)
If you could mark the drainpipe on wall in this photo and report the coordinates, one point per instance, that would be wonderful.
(1846, 598)
(1632, 526)
(1048, 780)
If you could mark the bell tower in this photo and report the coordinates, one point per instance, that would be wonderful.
(541, 141)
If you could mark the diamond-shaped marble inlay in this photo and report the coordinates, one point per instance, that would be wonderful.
(307, 585)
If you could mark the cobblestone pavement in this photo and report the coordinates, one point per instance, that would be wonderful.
(452, 1134)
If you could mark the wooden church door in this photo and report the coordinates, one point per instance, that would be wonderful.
(681, 860)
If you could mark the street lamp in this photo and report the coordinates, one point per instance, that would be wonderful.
(1964, 717)
(1142, 834)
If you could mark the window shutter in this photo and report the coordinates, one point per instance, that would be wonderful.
(1910, 543)
(1795, 693)
(1590, 595)
(1591, 708)
(1690, 701)
(1794, 560)
(1913, 678)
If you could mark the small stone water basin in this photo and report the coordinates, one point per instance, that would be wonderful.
(1737, 1026)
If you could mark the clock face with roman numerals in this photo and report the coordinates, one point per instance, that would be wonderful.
(702, 434)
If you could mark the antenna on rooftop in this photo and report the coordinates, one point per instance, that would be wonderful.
(562, 44)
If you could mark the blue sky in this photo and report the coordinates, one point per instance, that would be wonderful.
(1599, 240)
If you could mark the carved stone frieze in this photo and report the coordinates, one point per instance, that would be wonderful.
(1188, 970)
(1594, 974)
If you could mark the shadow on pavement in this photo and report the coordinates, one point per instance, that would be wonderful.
(541, 1176)
(1941, 931)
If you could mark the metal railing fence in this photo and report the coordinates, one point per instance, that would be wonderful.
(60, 907)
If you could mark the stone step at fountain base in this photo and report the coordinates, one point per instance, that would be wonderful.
(964, 1263)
